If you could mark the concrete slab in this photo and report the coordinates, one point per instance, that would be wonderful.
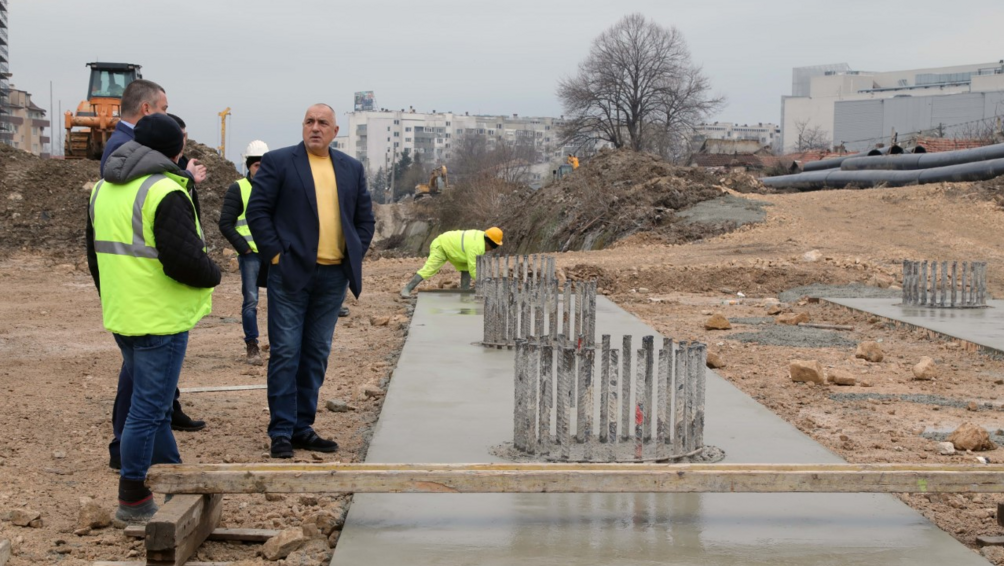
(450, 401)
(984, 327)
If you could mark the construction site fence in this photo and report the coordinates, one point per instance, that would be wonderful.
(952, 285)
(537, 268)
(517, 309)
(648, 405)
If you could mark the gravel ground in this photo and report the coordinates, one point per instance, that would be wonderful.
(794, 337)
(752, 320)
(914, 398)
(852, 291)
(724, 209)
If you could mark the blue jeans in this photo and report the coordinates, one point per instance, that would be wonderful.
(249, 264)
(154, 362)
(120, 410)
(300, 327)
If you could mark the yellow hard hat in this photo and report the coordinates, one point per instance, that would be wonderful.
(494, 234)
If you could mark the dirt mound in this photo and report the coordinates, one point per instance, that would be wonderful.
(589, 272)
(742, 182)
(44, 201)
(613, 195)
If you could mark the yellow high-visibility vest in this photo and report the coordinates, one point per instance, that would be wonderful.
(242, 222)
(137, 297)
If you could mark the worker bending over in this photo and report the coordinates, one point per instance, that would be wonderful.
(573, 161)
(459, 247)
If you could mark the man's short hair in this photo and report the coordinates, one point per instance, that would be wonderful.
(138, 92)
(181, 123)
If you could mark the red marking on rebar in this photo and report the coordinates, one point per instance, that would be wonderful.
(639, 415)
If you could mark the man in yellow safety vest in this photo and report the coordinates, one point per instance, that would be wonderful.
(459, 247)
(234, 226)
(147, 254)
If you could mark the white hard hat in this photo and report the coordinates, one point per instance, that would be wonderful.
(256, 148)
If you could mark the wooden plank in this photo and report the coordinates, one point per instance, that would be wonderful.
(178, 529)
(222, 388)
(575, 478)
(4, 552)
(233, 535)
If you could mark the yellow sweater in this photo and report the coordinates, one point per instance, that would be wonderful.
(331, 243)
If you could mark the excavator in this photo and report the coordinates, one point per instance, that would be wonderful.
(99, 114)
(437, 183)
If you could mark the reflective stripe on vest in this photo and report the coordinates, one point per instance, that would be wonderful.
(242, 222)
(462, 236)
(137, 297)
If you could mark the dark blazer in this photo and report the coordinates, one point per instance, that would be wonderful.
(120, 135)
(282, 214)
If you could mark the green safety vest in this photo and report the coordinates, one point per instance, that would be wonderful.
(137, 297)
(242, 222)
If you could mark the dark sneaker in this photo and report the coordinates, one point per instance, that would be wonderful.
(343, 312)
(115, 463)
(310, 441)
(136, 513)
(281, 448)
(181, 421)
(254, 353)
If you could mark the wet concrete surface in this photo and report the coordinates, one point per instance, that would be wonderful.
(983, 326)
(451, 401)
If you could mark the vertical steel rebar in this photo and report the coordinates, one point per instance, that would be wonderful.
(546, 395)
(944, 284)
(923, 283)
(626, 412)
(691, 394)
(612, 400)
(588, 359)
(648, 345)
(641, 408)
(955, 277)
(700, 365)
(906, 286)
(519, 402)
(566, 313)
(604, 387)
(566, 368)
(530, 392)
(582, 408)
(680, 399)
(660, 400)
(934, 284)
(964, 299)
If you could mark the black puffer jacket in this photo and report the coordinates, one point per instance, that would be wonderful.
(233, 206)
(179, 247)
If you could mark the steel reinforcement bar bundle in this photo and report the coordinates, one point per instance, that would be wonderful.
(526, 268)
(655, 413)
(952, 288)
(518, 307)
(897, 170)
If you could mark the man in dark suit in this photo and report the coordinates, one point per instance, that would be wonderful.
(312, 220)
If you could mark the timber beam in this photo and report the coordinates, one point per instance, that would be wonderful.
(575, 478)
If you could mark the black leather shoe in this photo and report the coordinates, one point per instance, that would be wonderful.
(311, 441)
(114, 463)
(281, 448)
(181, 421)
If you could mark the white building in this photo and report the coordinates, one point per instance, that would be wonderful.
(824, 97)
(380, 138)
(766, 134)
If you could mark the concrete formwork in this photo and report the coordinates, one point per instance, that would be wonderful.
(450, 400)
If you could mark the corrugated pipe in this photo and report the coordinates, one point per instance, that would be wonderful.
(837, 162)
(839, 178)
(923, 160)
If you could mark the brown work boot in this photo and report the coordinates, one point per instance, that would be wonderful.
(254, 354)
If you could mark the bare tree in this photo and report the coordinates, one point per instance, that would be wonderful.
(808, 137)
(509, 160)
(638, 88)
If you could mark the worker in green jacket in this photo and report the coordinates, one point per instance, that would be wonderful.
(459, 247)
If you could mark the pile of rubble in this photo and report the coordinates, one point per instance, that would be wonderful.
(43, 202)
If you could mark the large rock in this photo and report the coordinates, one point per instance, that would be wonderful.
(793, 318)
(925, 370)
(806, 370)
(25, 517)
(812, 256)
(870, 351)
(282, 544)
(971, 437)
(841, 377)
(714, 361)
(717, 322)
(92, 515)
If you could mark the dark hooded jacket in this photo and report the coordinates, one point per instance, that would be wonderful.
(179, 247)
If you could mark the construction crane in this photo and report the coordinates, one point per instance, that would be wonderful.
(223, 132)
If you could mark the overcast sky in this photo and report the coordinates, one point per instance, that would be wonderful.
(268, 60)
